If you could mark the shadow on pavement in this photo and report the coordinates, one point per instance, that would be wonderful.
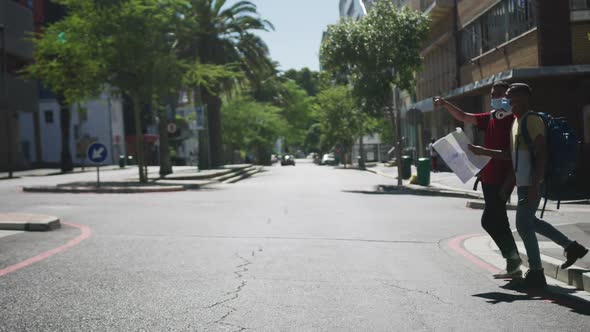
(552, 294)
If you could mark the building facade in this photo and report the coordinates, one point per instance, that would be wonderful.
(472, 44)
(16, 95)
(97, 120)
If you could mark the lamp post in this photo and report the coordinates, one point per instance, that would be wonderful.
(4, 97)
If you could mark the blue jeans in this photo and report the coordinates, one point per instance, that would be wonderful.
(527, 224)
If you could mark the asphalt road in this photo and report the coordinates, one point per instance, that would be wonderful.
(291, 249)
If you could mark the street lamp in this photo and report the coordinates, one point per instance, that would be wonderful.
(4, 97)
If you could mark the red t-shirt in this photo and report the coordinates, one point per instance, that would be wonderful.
(498, 138)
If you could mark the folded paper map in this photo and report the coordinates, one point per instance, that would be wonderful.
(453, 149)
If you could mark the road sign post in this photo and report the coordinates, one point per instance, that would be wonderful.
(97, 153)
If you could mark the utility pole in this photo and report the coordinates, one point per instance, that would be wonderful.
(5, 97)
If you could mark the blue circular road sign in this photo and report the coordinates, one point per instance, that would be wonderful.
(97, 153)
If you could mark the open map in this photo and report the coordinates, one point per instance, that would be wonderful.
(454, 151)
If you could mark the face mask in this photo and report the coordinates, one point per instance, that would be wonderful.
(496, 103)
(506, 105)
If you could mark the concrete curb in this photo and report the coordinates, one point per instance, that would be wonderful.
(433, 190)
(188, 184)
(234, 174)
(28, 222)
(243, 175)
(210, 175)
(573, 276)
(484, 248)
(479, 205)
(103, 190)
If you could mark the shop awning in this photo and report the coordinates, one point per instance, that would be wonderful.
(511, 75)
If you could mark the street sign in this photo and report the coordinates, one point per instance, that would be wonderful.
(97, 153)
(172, 128)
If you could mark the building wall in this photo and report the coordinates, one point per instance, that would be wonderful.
(468, 10)
(20, 95)
(102, 121)
(581, 43)
(519, 53)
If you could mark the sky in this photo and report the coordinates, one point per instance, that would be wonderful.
(299, 25)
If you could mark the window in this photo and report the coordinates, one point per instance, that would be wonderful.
(503, 22)
(580, 4)
(48, 116)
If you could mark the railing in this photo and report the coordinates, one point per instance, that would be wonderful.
(579, 5)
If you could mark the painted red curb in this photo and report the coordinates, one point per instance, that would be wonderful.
(86, 232)
(457, 245)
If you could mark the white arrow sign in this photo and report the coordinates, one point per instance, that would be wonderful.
(97, 153)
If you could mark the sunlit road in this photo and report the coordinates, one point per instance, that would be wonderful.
(293, 248)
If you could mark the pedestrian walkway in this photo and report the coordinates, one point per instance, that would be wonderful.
(577, 228)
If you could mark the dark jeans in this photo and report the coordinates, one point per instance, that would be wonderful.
(495, 220)
(528, 224)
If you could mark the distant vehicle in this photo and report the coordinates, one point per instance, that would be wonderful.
(328, 159)
(288, 160)
(274, 158)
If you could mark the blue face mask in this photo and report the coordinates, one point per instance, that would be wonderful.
(506, 105)
(496, 103)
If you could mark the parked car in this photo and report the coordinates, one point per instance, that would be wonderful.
(328, 159)
(288, 160)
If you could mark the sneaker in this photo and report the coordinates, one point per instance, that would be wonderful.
(535, 279)
(573, 252)
(512, 269)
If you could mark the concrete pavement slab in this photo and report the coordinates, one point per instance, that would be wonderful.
(28, 222)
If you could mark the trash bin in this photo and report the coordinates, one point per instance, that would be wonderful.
(423, 171)
(406, 167)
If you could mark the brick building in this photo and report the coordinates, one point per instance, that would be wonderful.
(544, 43)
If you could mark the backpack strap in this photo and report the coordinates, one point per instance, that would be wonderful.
(524, 132)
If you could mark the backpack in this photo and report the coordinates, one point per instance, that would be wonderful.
(562, 155)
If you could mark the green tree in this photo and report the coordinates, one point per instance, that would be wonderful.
(222, 34)
(252, 126)
(65, 62)
(311, 81)
(377, 53)
(341, 121)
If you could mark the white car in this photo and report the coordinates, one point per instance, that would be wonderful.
(328, 159)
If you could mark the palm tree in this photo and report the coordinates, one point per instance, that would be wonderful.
(223, 35)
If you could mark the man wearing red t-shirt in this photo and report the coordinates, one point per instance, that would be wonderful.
(497, 177)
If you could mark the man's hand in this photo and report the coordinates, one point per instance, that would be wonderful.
(440, 102)
(533, 194)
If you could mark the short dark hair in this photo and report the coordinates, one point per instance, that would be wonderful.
(501, 84)
(521, 88)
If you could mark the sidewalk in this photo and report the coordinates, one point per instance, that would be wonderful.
(54, 171)
(571, 219)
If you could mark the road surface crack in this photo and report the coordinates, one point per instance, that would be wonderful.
(429, 293)
(241, 269)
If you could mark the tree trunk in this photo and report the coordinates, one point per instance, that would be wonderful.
(65, 121)
(361, 152)
(165, 162)
(139, 138)
(213, 103)
(398, 137)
